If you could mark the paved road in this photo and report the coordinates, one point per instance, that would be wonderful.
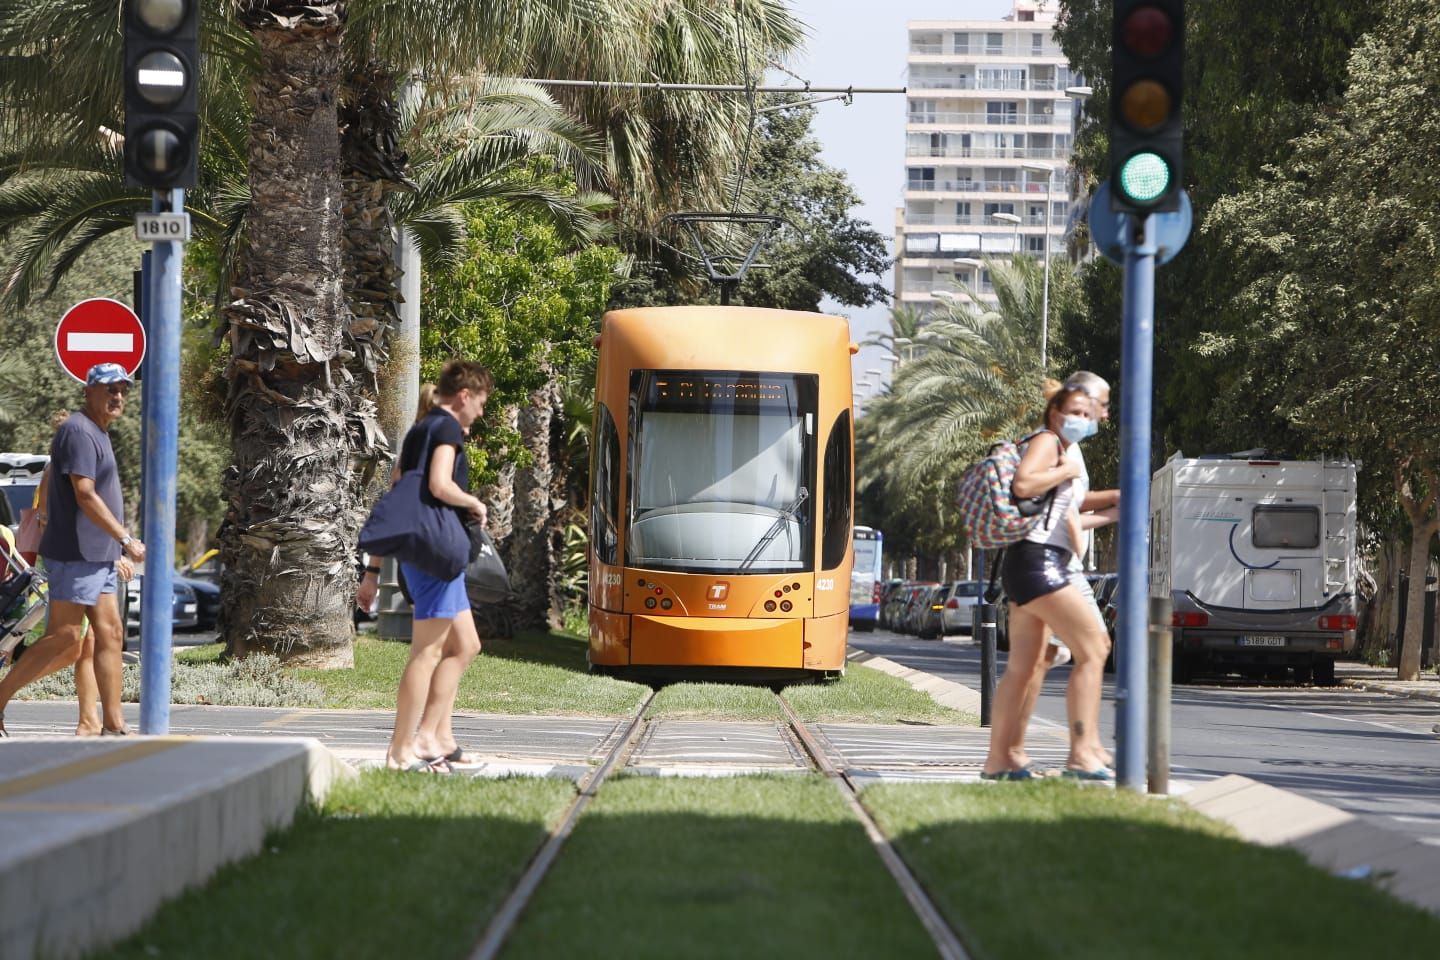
(1373, 754)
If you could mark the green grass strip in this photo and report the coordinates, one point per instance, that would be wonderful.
(1056, 870)
(865, 695)
(733, 867)
(532, 673)
(394, 865)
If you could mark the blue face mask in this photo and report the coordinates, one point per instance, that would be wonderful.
(1076, 428)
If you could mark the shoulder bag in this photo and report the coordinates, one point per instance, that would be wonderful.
(410, 524)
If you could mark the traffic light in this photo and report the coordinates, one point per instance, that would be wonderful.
(1146, 133)
(162, 74)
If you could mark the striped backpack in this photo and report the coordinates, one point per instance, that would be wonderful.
(993, 518)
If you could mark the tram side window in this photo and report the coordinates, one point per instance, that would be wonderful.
(605, 495)
(835, 535)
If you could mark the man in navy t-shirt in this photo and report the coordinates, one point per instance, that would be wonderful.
(83, 540)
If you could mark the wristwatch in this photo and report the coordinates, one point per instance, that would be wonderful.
(125, 541)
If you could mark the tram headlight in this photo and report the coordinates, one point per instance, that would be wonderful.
(769, 606)
(649, 603)
(786, 606)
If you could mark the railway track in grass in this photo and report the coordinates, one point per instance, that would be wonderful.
(946, 942)
(503, 923)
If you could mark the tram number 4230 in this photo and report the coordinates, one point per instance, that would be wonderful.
(150, 227)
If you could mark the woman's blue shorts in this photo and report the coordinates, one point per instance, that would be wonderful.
(435, 599)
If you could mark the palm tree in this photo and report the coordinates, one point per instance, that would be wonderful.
(976, 380)
(295, 406)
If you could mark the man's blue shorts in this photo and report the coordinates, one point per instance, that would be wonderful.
(80, 581)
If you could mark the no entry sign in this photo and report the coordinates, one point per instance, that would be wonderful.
(99, 330)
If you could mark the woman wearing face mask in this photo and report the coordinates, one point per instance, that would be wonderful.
(1035, 573)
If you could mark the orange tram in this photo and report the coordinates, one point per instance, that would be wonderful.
(722, 493)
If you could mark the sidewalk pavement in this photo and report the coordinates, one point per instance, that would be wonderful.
(97, 833)
(1382, 680)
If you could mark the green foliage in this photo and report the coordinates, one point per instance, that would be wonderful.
(1335, 306)
(1258, 74)
(256, 681)
(971, 377)
(521, 301)
(821, 252)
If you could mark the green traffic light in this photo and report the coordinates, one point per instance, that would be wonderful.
(1145, 177)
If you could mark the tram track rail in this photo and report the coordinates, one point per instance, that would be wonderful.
(502, 924)
(947, 943)
(498, 931)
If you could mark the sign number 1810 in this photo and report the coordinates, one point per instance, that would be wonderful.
(150, 227)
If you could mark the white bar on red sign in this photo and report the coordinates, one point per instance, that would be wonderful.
(100, 342)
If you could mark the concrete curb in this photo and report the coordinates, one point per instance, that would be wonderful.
(96, 835)
(1330, 838)
(1377, 686)
(947, 693)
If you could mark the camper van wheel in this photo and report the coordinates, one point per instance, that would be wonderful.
(1324, 672)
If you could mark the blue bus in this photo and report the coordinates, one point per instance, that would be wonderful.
(866, 581)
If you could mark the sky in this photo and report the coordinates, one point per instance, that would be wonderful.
(863, 43)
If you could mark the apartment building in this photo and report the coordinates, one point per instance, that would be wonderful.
(987, 149)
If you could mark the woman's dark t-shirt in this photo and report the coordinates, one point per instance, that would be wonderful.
(441, 429)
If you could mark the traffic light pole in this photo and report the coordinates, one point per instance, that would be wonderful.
(161, 453)
(1137, 376)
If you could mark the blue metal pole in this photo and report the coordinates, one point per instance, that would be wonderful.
(1137, 376)
(147, 287)
(162, 423)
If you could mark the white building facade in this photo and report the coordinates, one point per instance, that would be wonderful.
(987, 149)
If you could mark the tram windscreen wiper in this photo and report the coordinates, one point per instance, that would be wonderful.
(787, 514)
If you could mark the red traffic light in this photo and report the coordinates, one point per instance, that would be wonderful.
(1147, 31)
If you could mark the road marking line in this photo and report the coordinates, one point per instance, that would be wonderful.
(84, 767)
(287, 718)
(1373, 723)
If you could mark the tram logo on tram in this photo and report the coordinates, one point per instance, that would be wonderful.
(723, 447)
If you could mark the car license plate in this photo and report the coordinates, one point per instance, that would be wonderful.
(189, 608)
(1254, 641)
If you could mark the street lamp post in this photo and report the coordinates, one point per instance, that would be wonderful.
(973, 264)
(1045, 285)
(907, 343)
(1012, 219)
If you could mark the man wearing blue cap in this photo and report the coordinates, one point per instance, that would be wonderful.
(82, 543)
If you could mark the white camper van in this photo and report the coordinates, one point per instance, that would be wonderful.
(1258, 557)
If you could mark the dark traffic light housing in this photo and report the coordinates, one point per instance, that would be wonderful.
(162, 77)
(1146, 87)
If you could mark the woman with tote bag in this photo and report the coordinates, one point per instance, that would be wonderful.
(418, 523)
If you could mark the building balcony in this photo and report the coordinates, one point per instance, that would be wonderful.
(971, 83)
(940, 118)
(1013, 47)
(975, 186)
(975, 220)
(989, 153)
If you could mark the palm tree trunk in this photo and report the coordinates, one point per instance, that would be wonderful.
(372, 165)
(294, 510)
(534, 553)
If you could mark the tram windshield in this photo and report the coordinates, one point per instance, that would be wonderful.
(722, 469)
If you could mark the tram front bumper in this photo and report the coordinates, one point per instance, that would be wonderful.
(718, 642)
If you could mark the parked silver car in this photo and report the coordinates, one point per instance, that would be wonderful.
(960, 600)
